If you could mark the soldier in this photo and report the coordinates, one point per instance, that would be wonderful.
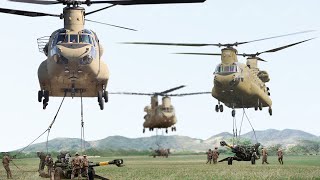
(85, 163)
(215, 155)
(42, 158)
(209, 156)
(264, 156)
(67, 157)
(5, 161)
(76, 166)
(280, 155)
(49, 164)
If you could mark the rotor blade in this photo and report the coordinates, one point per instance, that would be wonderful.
(290, 34)
(284, 47)
(189, 94)
(26, 13)
(209, 54)
(170, 90)
(171, 44)
(260, 59)
(132, 93)
(137, 2)
(110, 25)
(99, 9)
(44, 2)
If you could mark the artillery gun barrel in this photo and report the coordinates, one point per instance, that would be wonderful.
(223, 143)
(117, 162)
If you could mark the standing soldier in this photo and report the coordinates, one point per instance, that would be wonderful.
(42, 158)
(76, 166)
(280, 155)
(5, 161)
(85, 163)
(209, 156)
(264, 156)
(49, 164)
(215, 155)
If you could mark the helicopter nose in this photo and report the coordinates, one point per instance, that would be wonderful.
(74, 51)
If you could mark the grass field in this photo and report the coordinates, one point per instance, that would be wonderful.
(189, 167)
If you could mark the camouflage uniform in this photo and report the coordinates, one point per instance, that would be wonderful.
(76, 166)
(209, 156)
(85, 164)
(49, 164)
(264, 156)
(42, 158)
(280, 156)
(5, 161)
(215, 155)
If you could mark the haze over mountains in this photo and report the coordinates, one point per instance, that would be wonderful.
(269, 137)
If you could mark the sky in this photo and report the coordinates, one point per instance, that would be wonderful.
(294, 73)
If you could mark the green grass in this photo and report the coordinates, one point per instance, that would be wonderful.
(189, 167)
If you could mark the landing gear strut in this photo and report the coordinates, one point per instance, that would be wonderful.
(233, 112)
(173, 129)
(219, 107)
(144, 130)
(270, 111)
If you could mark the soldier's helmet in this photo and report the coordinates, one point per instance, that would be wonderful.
(77, 154)
(84, 155)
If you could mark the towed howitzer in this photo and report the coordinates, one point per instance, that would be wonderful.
(242, 153)
(64, 170)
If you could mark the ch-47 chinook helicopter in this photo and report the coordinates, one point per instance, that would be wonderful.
(160, 115)
(74, 66)
(238, 85)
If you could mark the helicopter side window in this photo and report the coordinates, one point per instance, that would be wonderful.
(84, 38)
(73, 38)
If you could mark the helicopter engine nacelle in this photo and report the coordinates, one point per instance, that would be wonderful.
(264, 76)
(166, 102)
(101, 50)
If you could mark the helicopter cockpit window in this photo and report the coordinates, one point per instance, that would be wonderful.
(73, 38)
(223, 69)
(85, 38)
(62, 38)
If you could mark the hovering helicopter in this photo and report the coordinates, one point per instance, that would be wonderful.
(74, 66)
(160, 115)
(238, 85)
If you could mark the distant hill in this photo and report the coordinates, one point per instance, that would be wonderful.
(287, 137)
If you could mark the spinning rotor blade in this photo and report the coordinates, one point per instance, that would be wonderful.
(26, 13)
(209, 54)
(219, 44)
(170, 90)
(43, 2)
(132, 93)
(273, 50)
(110, 25)
(188, 94)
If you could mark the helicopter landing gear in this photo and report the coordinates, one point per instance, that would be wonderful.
(270, 111)
(260, 106)
(167, 131)
(219, 107)
(173, 129)
(233, 112)
(103, 94)
(101, 103)
(144, 130)
(45, 95)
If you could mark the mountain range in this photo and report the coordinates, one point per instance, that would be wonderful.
(269, 137)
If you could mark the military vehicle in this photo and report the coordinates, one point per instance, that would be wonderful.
(160, 152)
(73, 65)
(242, 153)
(238, 85)
(160, 115)
(64, 169)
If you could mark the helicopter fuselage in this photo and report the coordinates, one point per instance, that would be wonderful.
(73, 64)
(238, 86)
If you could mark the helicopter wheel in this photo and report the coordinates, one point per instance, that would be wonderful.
(255, 108)
(101, 104)
(144, 130)
(270, 111)
(46, 96)
(106, 96)
(233, 113)
(260, 106)
(40, 95)
(99, 96)
(217, 108)
(221, 108)
(167, 131)
(45, 104)
(175, 128)
(172, 129)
